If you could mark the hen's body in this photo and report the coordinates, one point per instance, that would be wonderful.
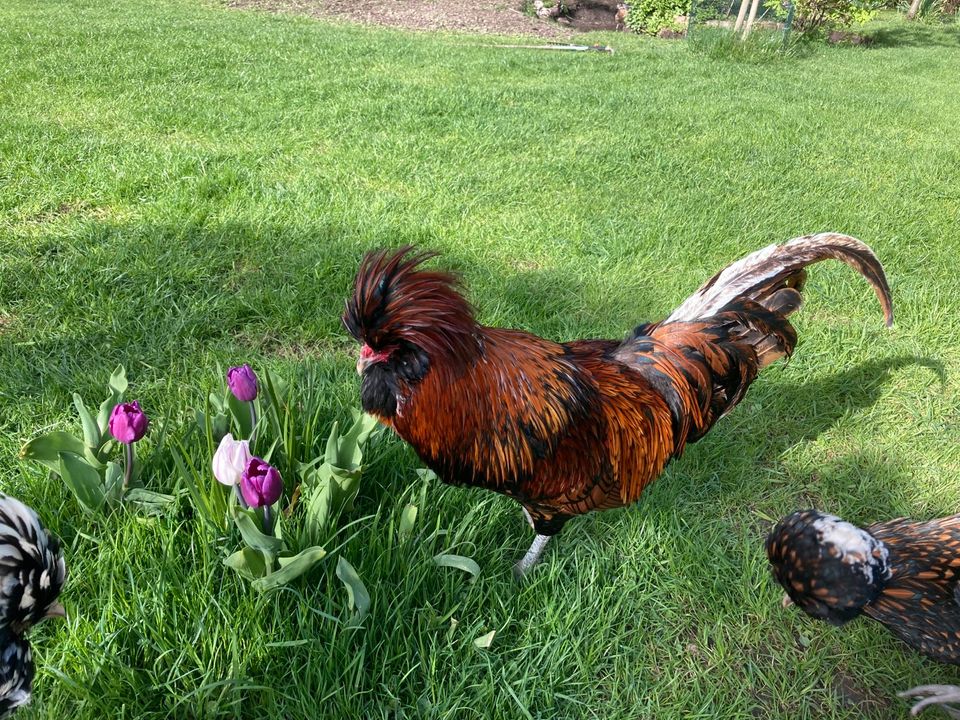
(32, 573)
(902, 573)
(566, 428)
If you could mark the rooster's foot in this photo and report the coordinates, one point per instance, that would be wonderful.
(934, 695)
(521, 569)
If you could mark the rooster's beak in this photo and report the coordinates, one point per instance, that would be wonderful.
(362, 363)
(786, 602)
(56, 610)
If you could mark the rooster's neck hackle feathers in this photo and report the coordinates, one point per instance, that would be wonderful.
(32, 568)
(396, 303)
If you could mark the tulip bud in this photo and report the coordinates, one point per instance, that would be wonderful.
(242, 383)
(230, 460)
(260, 483)
(128, 423)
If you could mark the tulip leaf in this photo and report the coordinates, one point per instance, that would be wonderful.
(332, 444)
(107, 406)
(153, 503)
(458, 561)
(118, 380)
(91, 433)
(408, 516)
(248, 562)
(217, 403)
(317, 514)
(426, 474)
(90, 456)
(241, 413)
(219, 424)
(291, 568)
(113, 483)
(485, 641)
(349, 452)
(347, 484)
(344, 451)
(83, 480)
(253, 536)
(46, 449)
(356, 590)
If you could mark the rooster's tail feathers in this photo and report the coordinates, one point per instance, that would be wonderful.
(774, 276)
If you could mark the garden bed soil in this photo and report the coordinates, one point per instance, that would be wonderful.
(503, 17)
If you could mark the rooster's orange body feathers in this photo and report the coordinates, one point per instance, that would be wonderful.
(566, 428)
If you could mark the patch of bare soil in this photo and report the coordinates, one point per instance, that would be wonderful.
(502, 17)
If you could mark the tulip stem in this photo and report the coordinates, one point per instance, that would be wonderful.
(253, 422)
(266, 519)
(243, 503)
(128, 472)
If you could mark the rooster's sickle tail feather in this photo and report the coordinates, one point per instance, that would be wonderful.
(774, 275)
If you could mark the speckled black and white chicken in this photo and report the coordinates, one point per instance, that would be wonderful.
(32, 573)
(902, 573)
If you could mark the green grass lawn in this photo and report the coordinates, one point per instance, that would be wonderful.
(183, 185)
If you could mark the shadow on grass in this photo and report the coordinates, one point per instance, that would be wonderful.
(728, 461)
(917, 35)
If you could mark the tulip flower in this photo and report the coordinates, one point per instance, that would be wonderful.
(261, 486)
(128, 423)
(242, 382)
(229, 462)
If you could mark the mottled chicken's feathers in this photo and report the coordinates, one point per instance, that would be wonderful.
(919, 601)
(32, 568)
(16, 672)
(902, 573)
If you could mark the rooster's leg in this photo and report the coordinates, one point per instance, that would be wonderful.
(934, 695)
(526, 514)
(532, 556)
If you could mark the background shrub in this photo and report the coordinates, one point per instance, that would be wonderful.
(650, 16)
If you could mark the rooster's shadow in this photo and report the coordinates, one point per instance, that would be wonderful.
(739, 454)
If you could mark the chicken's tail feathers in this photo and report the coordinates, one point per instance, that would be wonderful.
(774, 276)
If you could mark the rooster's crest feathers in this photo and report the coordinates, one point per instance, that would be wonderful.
(396, 303)
(32, 569)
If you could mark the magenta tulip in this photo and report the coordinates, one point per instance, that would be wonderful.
(260, 483)
(128, 423)
(242, 383)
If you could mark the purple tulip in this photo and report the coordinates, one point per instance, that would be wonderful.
(128, 423)
(260, 484)
(242, 383)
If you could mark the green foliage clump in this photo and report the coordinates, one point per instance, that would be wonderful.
(651, 16)
(813, 17)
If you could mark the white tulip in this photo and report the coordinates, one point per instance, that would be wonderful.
(230, 460)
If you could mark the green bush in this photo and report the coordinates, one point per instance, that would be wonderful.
(811, 17)
(650, 16)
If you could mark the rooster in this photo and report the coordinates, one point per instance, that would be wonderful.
(32, 573)
(566, 428)
(902, 573)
